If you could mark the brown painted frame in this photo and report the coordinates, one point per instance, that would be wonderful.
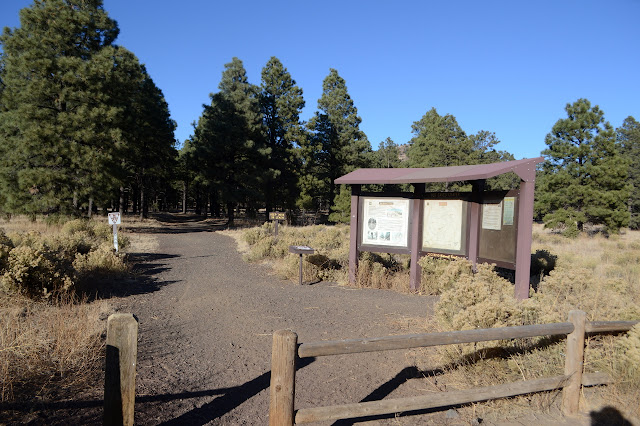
(476, 175)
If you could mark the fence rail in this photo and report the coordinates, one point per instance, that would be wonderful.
(286, 350)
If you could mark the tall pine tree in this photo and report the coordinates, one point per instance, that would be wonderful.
(584, 179)
(229, 141)
(337, 145)
(629, 140)
(281, 103)
(54, 127)
(439, 141)
(66, 108)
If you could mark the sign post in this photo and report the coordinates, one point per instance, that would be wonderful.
(114, 219)
(301, 250)
(276, 217)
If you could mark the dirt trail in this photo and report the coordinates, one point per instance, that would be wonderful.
(205, 335)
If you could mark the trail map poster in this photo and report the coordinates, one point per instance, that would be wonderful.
(442, 225)
(385, 222)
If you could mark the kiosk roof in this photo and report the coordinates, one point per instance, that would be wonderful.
(524, 168)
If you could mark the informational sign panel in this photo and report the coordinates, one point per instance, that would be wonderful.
(498, 230)
(492, 216)
(277, 216)
(509, 211)
(114, 218)
(385, 222)
(444, 225)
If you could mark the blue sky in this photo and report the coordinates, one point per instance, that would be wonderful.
(509, 67)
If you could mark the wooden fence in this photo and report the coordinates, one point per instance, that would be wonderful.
(286, 350)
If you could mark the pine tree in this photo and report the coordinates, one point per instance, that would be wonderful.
(59, 71)
(151, 150)
(281, 103)
(629, 141)
(439, 141)
(388, 155)
(584, 179)
(337, 145)
(484, 152)
(229, 141)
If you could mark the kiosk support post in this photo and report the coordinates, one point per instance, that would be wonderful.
(353, 233)
(416, 232)
(474, 221)
(523, 249)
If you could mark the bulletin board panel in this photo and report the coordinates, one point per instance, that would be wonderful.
(385, 226)
(445, 226)
(498, 228)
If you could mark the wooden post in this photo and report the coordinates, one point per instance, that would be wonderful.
(283, 378)
(353, 234)
(120, 369)
(574, 363)
(417, 207)
(474, 221)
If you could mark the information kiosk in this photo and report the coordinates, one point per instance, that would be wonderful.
(482, 226)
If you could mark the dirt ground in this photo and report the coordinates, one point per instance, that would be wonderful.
(206, 320)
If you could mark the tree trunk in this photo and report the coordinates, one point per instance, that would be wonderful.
(90, 210)
(184, 196)
(142, 202)
(230, 213)
(121, 201)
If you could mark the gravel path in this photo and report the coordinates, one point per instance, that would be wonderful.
(205, 336)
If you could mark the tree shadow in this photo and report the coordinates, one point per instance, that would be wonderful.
(230, 399)
(608, 416)
(384, 390)
(90, 411)
(143, 280)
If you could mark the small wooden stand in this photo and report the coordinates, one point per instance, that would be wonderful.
(301, 250)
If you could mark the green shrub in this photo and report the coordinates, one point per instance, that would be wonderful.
(6, 245)
(330, 242)
(38, 265)
(628, 356)
(33, 273)
(98, 263)
(440, 274)
(482, 300)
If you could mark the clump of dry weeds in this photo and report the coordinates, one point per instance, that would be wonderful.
(42, 264)
(49, 349)
(596, 274)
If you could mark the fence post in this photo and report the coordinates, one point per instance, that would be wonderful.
(283, 378)
(120, 369)
(574, 363)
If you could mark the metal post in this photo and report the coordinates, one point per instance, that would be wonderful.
(115, 237)
(300, 268)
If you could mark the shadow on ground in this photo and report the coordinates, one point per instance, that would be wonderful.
(143, 280)
(90, 411)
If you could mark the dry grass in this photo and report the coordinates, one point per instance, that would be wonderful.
(49, 350)
(594, 273)
(52, 347)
